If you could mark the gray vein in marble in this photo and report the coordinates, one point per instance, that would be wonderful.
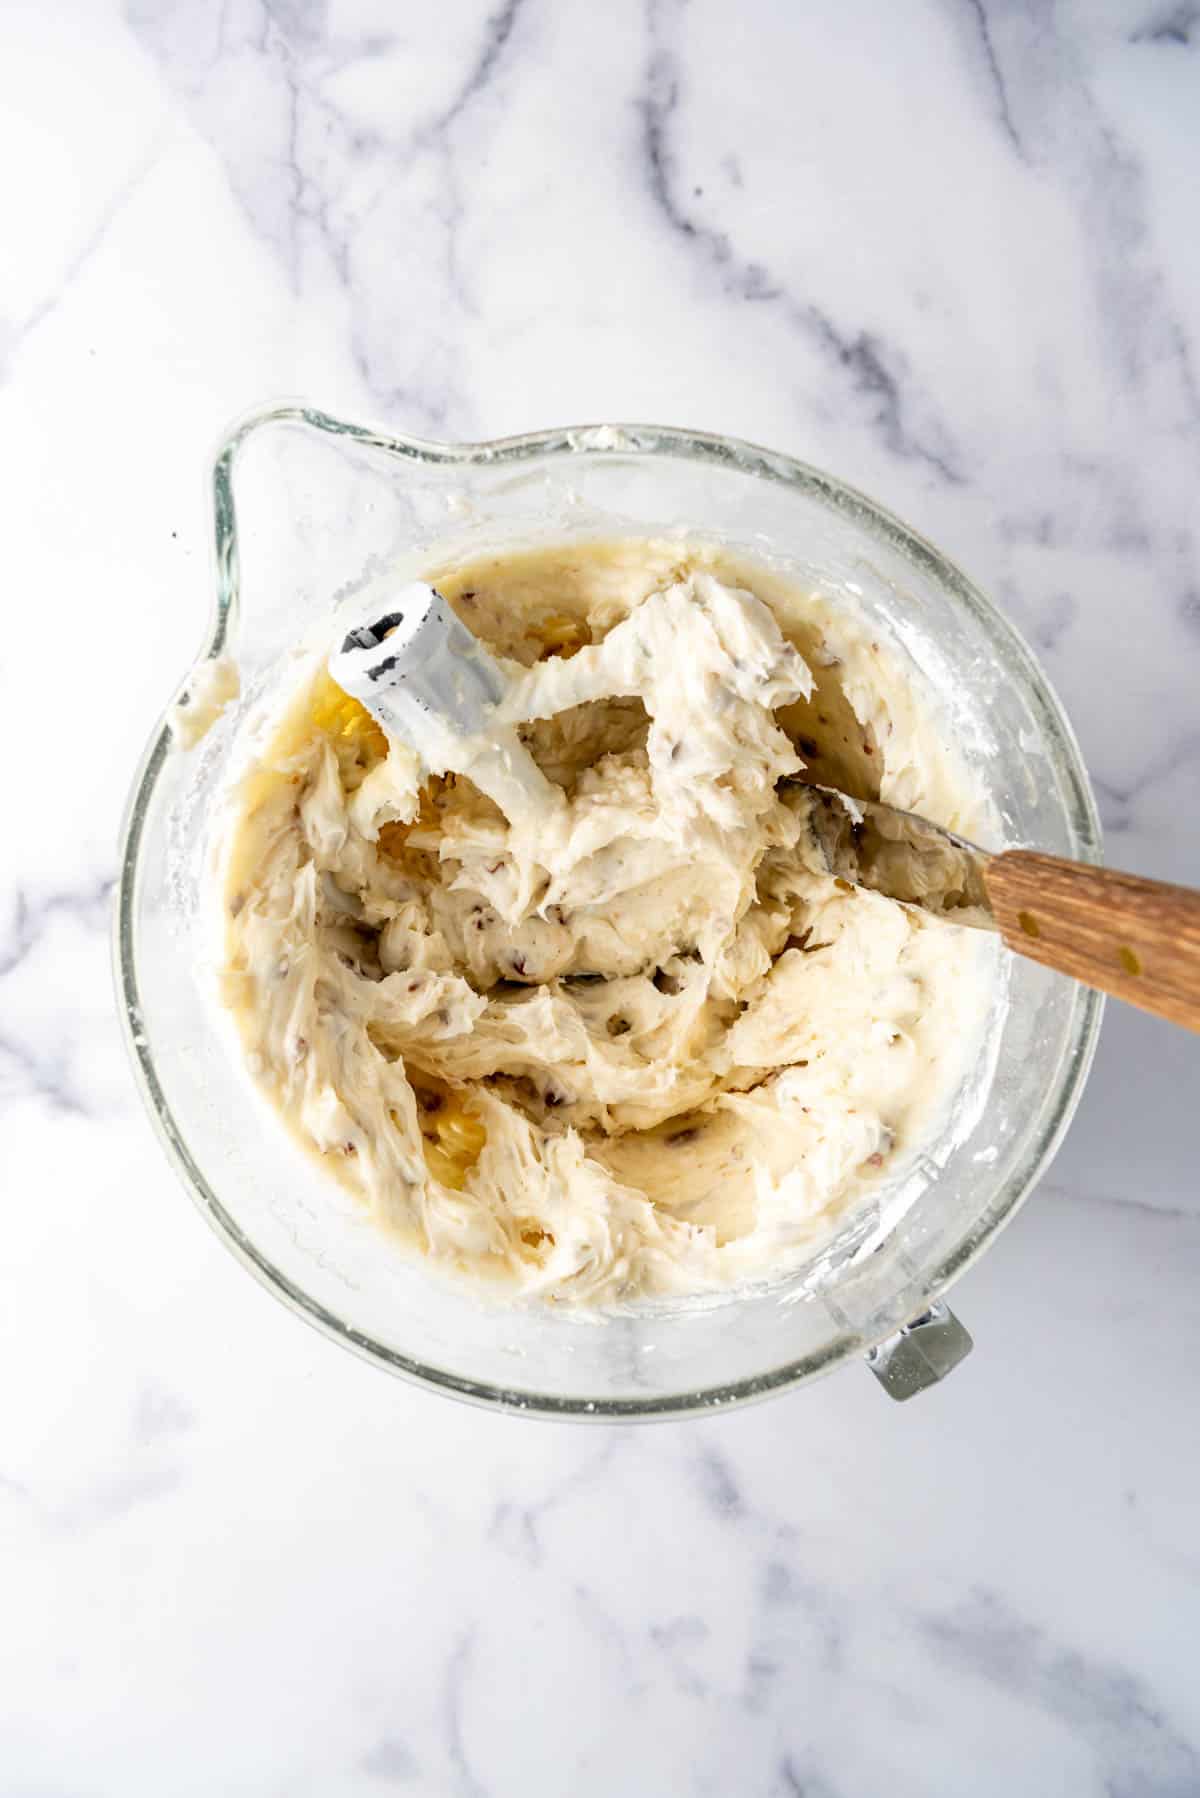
(157, 1416)
(874, 370)
(26, 1066)
(41, 1076)
(106, 1500)
(1119, 796)
(1141, 1750)
(159, 1413)
(1119, 523)
(88, 905)
(1146, 334)
(514, 1528)
(436, 137)
(320, 156)
(291, 160)
(793, 1783)
(761, 1682)
(1181, 1563)
(1039, 526)
(995, 75)
(608, 1631)
(116, 1497)
(784, 1588)
(1124, 1201)
(17, 1489)
(1058, 118)
(675, 1641)
(12, 337)
(717, 1485)
(1054, 619)
(497, 29)
(458, 1670)
(1169, 25)
(390, 1759)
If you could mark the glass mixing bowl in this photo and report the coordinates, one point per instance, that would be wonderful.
(323, 505)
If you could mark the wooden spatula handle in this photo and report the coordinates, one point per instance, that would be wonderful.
(1137, 939)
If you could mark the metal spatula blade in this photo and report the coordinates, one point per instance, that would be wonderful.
(1134, 938)
(897, 854)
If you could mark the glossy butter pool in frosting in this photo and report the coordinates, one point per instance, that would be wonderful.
(627, 1036)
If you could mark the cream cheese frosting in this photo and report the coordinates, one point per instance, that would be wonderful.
(574, 1003)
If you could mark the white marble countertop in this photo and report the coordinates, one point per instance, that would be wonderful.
(947, 250)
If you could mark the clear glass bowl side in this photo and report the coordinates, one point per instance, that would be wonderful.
(319, 508)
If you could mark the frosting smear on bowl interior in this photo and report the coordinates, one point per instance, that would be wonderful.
(626, 1037)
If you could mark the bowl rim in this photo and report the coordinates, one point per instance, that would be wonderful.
(597, 440)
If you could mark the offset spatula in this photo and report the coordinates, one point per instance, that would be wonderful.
(1136, 939)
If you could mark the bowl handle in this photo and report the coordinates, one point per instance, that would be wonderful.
(920, 1354)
